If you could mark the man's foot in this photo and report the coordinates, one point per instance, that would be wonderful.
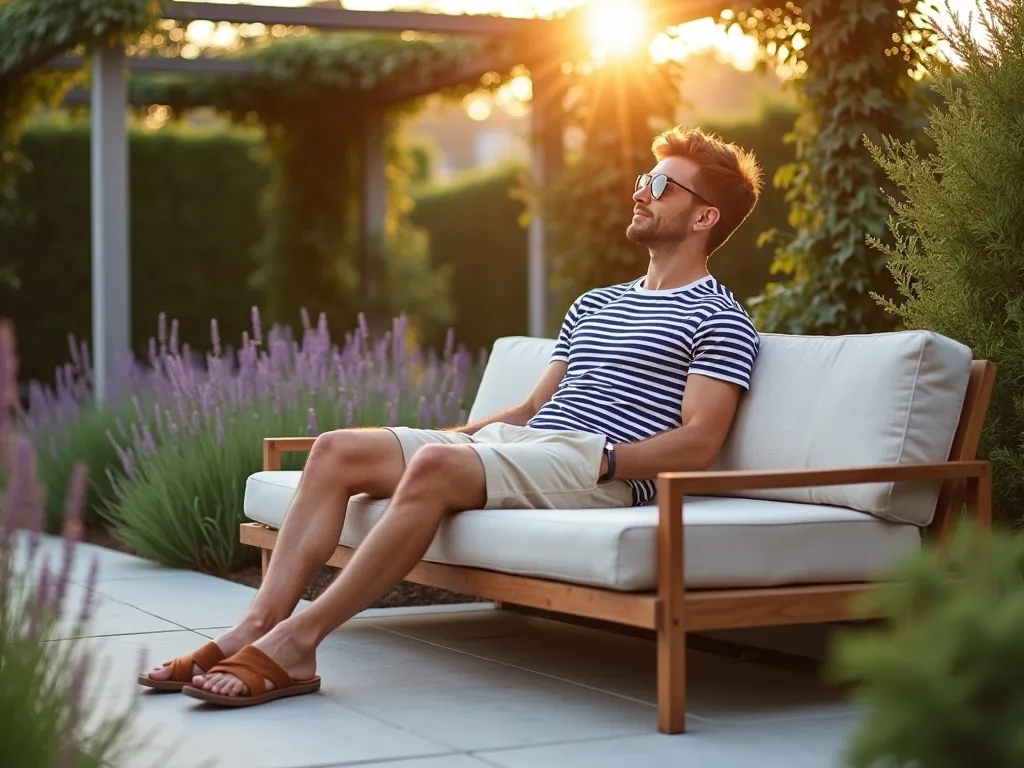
(232, 641)
(283, 647)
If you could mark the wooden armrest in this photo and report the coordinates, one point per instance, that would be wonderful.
(713, 482)
(273, 447)
(289, 444)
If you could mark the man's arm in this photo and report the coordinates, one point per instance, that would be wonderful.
(526, 410)
(709, 406)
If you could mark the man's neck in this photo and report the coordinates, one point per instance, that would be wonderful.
(675, 270)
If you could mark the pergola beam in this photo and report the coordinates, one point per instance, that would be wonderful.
(332, 17)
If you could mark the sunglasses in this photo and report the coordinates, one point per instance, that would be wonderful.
(659, 183)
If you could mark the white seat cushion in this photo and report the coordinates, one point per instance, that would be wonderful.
(729, 542)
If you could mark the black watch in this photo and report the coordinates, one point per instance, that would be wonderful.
(609, 452)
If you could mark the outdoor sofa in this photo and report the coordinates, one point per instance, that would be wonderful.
(845, 455)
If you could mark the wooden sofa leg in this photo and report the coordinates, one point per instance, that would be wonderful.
(264, 563)
(671, 623)
(671, 676)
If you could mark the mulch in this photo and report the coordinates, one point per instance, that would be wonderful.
(403, 594)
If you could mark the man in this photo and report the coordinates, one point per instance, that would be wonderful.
(645, 378)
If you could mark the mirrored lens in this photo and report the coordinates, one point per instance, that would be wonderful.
(658, 186)
(642, 181)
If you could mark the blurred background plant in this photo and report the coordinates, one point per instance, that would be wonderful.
(942, 683)
(42, 680)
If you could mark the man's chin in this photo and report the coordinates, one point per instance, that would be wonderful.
(637, 234)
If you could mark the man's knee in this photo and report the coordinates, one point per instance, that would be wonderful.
(444, 475)
(351, 447)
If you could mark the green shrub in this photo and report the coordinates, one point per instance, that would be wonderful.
(42, 682)
(178, 497)
(943, 684)
(957, 256)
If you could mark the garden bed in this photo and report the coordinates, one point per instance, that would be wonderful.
(402, 594)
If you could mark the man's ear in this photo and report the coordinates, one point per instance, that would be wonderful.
(707, 219)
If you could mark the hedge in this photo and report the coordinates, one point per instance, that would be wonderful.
(195, 217)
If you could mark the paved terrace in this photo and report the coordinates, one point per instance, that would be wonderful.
(444, 687)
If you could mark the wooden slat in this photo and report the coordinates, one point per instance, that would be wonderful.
(636, 610)
(770, 606)
(748, 480)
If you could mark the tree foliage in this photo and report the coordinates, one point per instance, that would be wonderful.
(957, 245)
(34, 32)
(853, 62)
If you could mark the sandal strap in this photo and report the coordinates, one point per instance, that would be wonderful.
(207, 656)
(251, 666)
(204, 658)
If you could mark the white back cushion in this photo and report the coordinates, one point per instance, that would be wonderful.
(514, 367)
(815, 402)
(848, 401)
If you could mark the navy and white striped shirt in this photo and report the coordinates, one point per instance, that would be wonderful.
(629, 351)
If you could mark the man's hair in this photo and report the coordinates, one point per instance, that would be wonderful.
(729, 176)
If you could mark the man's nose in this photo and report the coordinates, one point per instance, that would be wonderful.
(642, 195)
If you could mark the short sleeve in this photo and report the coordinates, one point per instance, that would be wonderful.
(725, 347)
(561, 351)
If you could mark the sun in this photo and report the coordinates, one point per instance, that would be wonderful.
(617, 28)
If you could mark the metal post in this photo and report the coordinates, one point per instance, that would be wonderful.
(547, 151)
(111, 332)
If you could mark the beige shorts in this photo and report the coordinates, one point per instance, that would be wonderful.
(527, 468)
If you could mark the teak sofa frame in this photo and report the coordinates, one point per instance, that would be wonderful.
(672, 610)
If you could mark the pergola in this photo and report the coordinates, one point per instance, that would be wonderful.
(535, 43)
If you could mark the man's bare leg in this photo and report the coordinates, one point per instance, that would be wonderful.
(341, 464)
(440, 480)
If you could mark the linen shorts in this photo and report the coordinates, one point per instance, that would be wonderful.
(528, 468)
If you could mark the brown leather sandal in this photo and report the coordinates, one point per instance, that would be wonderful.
(181, 668)
(251, 666)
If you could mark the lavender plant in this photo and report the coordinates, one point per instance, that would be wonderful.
(199, 425)
(42, 719)
(67, 428)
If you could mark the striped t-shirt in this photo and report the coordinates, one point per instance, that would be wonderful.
(629, 351)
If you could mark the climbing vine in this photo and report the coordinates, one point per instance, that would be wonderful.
(853, 63)
(33, 32)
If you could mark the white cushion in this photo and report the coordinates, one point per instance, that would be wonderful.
(846, 401)
(815, 402)
(513, 369)
(729, 542)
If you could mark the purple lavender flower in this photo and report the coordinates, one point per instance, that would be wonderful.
(220, 425)
(161, 325)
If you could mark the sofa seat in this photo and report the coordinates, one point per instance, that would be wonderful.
(730, 542)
